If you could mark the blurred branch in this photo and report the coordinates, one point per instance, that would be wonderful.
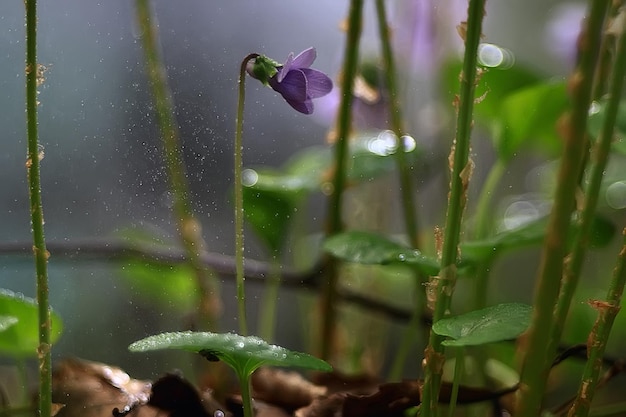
(223, 265)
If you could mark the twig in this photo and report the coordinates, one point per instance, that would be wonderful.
(188, 225)
(34, 76)
(459, 182)
(335, 201)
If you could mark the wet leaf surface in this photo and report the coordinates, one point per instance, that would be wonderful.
(19, 335)
(493, 324)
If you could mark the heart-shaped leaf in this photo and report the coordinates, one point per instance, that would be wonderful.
(370, 248)
(493, 324)
(20, 337)
(243, 354)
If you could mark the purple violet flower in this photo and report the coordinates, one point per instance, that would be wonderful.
(295, 80)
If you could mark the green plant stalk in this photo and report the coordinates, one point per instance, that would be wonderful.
(406, 183)
(459, 182)
(601, 151)
(239, 214)
(407, 187)
(189, 227)
(335, 202)
(609, 309)
(267, 321)
(481, 230)
(459, 365)
(536, 363)
(34, 75)
(246, 395)
(596, 345)
(402, 353)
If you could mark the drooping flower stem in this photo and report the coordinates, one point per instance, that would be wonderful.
(459, 182)
(239, 242)
(188, 225)
(34, 75)
(407, 187)
(573, 125)
(344, 123)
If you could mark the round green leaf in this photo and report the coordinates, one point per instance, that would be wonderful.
(493, 324)
(370, 248)
(21, 338)
(243, 354)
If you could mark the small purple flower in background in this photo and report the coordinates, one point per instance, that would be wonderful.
(294, 80)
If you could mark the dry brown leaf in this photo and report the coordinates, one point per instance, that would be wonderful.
(326, 406)
(288, 390)
(91, 389)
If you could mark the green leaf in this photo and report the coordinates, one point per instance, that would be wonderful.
(596, 119)
(243, 354)
(370, 248)
(493, 324)
(270, 202)
(530, 234)
(528, 117)
(21, 338)
(493, 86)
(169, 286)
(6, 322)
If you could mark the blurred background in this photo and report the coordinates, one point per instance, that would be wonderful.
(103, 171)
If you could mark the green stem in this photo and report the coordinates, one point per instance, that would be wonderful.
(239, 261)
(267, 322)
(34, 76)
(482, 230)
(459, 365)
(402, 353)
(406, 183)
(600, 152)
(609, 309)
(246, 395)
(596, 345)
(407, 186)
(189, 227)
(344, 123)
(459, 182)
(538, 358)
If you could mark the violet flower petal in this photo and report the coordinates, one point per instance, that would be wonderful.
(318, 83)
(305, 58)
(293, 87)
(305, 106)
(287, 66)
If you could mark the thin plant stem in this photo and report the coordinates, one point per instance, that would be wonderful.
(600, 151)
(482, 230)
(188, 226)
(34, 76)
(335, 202)
(407, 186)
(461, 171)
(607, 311)
(459, 365)
(246, 395)
(239, 235)
(267, 321)
(406, 182)
(538, 358)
